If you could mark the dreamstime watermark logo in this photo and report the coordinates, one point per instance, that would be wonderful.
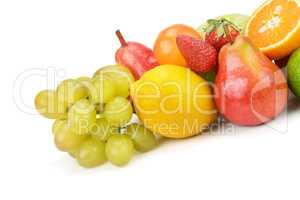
(238, 98)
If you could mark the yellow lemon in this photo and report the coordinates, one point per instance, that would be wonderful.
(173, 101)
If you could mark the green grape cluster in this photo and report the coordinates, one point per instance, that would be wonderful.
(92, 118)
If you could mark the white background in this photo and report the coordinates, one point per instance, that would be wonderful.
(78, 36)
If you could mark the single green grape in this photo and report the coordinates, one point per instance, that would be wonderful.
(46, 103)
(121, 76)
(103, 90)
(81, 116)
(118, 112)
(57, 125)
(119, 149)
(91, 153)
(143, 139)
(71, 90)
(87, 83)
(101, 130)
(68, 140)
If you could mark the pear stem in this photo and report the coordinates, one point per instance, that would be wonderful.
(121, 38)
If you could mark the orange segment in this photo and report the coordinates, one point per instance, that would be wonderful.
(275, 27)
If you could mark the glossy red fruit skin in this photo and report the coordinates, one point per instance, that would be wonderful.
(219, 42)
(136, 57)
(246, 94)
(199, 55)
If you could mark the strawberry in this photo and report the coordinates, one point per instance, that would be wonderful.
(199, 54)
(220, 32)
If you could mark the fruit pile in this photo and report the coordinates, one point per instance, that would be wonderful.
(229, 66)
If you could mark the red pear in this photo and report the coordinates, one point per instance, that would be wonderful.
(250, 89)
(135, 56)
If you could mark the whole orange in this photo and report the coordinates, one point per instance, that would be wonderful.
(165, 47)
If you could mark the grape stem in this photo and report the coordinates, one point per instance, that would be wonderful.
(121, 38)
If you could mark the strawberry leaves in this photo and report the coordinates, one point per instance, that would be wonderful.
(220, 32)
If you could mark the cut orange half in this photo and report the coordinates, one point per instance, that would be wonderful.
(275, 27)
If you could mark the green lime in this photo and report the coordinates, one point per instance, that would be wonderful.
(293, 70)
